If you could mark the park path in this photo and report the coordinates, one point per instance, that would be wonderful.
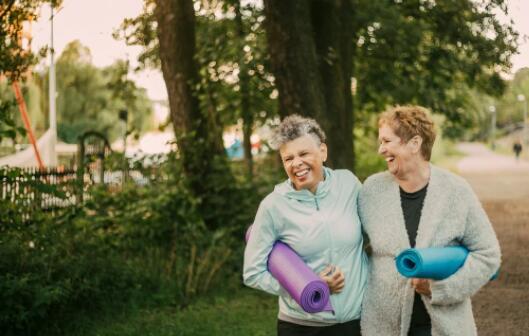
(502, 184)
(480, 159)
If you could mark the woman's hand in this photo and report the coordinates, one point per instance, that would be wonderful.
(422, 286)
(334, 278)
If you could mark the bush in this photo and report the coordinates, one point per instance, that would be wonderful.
(132, 244)
(50, 271)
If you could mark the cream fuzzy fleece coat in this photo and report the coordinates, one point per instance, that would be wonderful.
(451, 215)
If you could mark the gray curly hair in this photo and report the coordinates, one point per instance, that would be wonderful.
(295, 126)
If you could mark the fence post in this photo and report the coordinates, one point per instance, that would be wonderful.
(80, 172)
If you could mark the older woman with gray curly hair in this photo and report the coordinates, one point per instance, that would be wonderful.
(314, 212)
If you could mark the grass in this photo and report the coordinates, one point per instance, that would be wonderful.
(249, 312)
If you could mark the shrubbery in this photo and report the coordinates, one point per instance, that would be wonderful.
(153, 243)
(50, 272)
(135, 244)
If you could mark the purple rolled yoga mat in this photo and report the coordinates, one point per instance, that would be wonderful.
(303, 285)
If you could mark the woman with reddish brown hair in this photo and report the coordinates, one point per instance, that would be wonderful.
(416, 204)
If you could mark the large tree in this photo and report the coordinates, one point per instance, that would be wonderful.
(230, 53)
(310, 46)
(197, 125)
(398, 51)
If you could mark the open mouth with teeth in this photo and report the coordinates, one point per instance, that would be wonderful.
(390, 159)
(302, 174)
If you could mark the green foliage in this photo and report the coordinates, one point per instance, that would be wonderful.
(436, 54)
(366, 151)
(147, 244)
(12, 126)
(14, 59)
(50, 271)
(429, 53)
(509, 109)
(141, 31)
(223, 51)
(8, 125)
(90, 98)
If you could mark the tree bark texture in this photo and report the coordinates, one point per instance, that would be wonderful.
(244, 81)
(197, 128)
(333, 33)
(176, 35)
(310, 46)
(293, 57)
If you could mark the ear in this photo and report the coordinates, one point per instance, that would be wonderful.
(323, 151)
(416, 142)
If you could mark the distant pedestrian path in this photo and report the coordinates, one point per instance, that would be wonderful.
(493, 176)
(480, 159)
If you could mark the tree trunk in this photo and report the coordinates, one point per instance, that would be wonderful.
(244, 82)
(176, 35)
(310, 46)
(198, 133)
(333, 33)
(293, 58)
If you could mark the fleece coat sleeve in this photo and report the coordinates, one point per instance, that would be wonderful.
(482, 262)
(262, 238)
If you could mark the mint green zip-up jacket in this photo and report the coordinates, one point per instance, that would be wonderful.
(324, 229)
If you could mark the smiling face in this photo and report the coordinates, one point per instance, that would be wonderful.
(401, 157)
(303, 160)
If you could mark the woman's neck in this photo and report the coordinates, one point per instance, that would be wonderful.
(417, 178)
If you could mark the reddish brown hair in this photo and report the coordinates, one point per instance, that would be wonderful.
(409, 121)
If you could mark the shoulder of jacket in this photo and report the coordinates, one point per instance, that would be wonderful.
(344, 175)
(270, 201)
(378, 181)
(452, 182)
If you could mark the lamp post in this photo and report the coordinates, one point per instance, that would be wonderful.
(492, 110)
(521, 98)
(123, 116)
(52, 92)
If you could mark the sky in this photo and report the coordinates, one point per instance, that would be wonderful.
(92, 22)
(518, 10)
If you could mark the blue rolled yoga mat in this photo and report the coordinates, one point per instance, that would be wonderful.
(436, 263)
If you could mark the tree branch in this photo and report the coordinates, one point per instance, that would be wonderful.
(8, 8)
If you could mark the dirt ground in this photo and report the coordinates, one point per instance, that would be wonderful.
(502, 184)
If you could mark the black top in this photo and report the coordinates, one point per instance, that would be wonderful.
(412, 204)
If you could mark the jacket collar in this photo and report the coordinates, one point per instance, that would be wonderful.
(287, 189)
